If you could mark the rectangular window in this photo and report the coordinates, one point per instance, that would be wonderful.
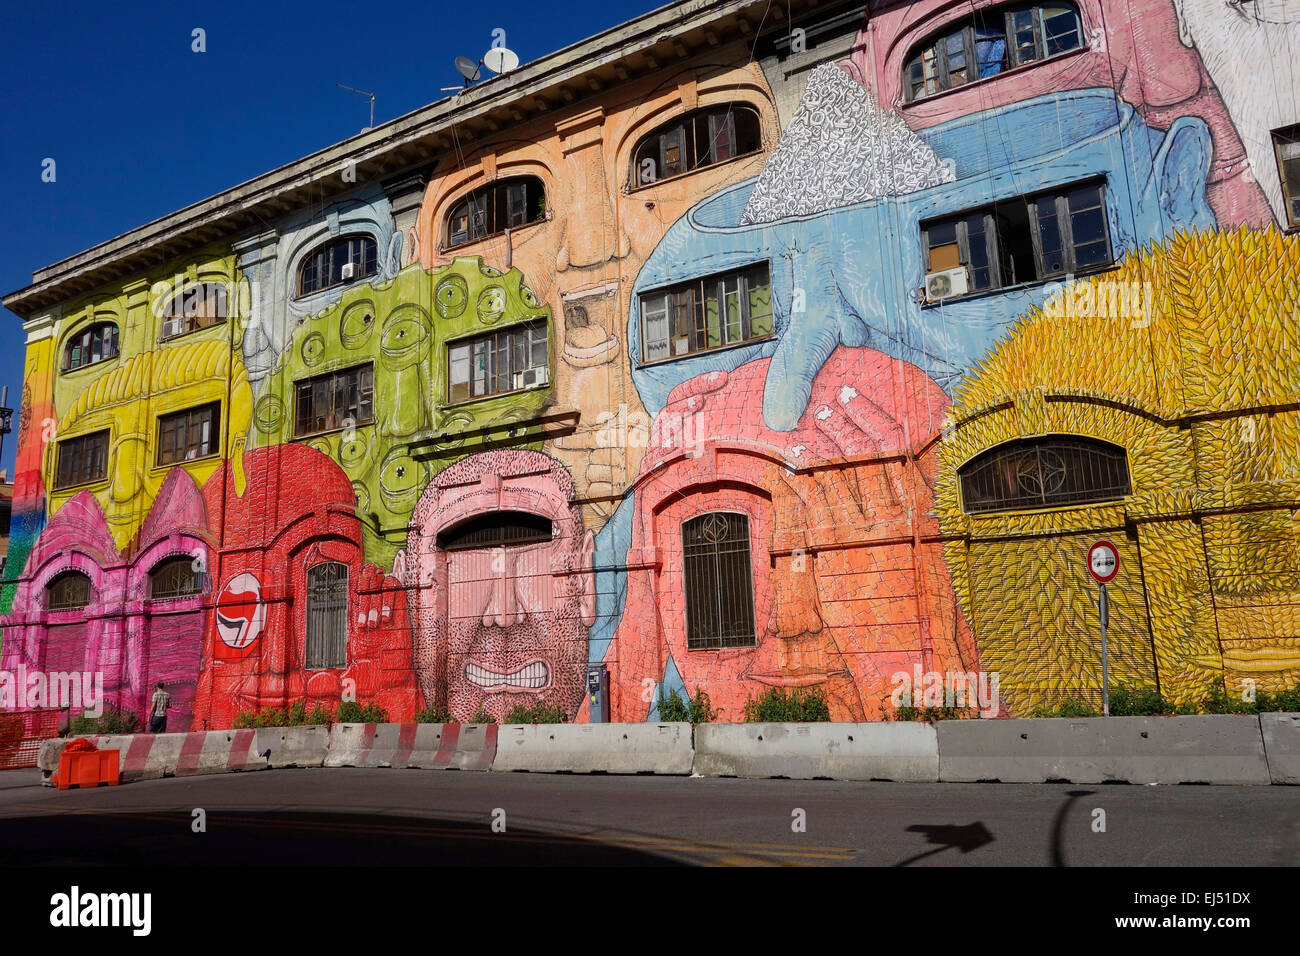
(82, 460)
(334, 400)
(189, 434)
(327, 616)
(505, 361)
(1025, 239)
(707, 313)
(1286, 143)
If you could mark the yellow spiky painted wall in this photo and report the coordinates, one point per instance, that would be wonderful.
(1198, 379)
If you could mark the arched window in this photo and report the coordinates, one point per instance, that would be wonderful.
(694, 141)
(198, 306)
(495, 530)
(719, 583)
(94, 343)
(327, 615)
(994, 40)
(492, 209)
(338, 262)
(68, 591)
(1051, 472)
(174, 577)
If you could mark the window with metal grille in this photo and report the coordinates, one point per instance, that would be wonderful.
(68, 591)
(334, 400)
(1286, 143)
(708, 313)
(1044, 473)
(82, 460)
(491, 210)
(696, 140)
(498, 529)
(338, 262)
(95, 343)
(992, 41)
(327, 615)
(189, 434)
(1025, 239)
(173, 578)
(198, 306)
(719, 581)
(504, 361)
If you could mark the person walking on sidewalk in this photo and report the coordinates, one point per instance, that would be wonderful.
(158, 710)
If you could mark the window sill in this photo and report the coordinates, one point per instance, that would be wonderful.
(984, 81)
(221, 323)
(80, 486)
(1021, 286)
(461, 247)
(82, 368)
(186, 461)
(1049, 509)
(338, 287)
(484, 398)
(710, 351)
(643, 187)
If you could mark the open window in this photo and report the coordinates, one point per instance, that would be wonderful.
(508, 360)
(338, 262)
(198, 306)
(491, 210)
(93, 344)
(709, 313)
(702, 138)
(334, 400)
(189, 434)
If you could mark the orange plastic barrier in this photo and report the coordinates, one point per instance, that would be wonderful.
(82, 765)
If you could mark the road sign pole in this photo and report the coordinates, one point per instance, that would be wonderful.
(1105, 675)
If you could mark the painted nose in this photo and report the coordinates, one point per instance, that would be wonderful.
(504, 606)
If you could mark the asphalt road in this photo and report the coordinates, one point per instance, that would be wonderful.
(356, 817)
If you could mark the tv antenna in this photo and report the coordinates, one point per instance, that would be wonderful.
(372, 103)
(498, 60)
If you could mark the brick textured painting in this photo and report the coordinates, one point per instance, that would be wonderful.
(813, 354)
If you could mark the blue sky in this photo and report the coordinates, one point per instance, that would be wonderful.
(139, 125)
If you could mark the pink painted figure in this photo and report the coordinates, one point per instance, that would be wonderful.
(498, 574)
(1132, 48)
(849, 586)
(127, 631)
(290, 563)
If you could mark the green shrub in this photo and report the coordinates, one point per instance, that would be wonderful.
(481, 716)
(1282, 701)
(701, 708)
(696, 710)
(112, 721)
(434, 715)
(1069, 707)
(1138, 702)
(935, 713)
(775, 705)
(350, 712)
(536, 713)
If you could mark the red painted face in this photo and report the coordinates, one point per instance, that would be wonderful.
(839, 586)
(292, 539)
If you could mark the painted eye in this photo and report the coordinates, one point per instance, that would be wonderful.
(356, 324)
(488, 270)
(313, 348)
(451, 297)
(492, 304)
(353, 451)
(268, 414)
(529, 297)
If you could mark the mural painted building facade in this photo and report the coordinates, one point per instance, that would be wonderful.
(720, 351)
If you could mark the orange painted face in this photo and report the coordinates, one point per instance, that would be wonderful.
(838, 602)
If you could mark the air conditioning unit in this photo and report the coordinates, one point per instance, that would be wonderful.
(172, 327)
(949, 282)
(348, 271)
(533, 376)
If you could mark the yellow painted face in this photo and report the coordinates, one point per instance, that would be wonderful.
(1195, 373)
(127, 403)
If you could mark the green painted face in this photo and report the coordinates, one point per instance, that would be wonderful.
(399, 380)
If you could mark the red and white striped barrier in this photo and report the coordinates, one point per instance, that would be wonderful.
(422, 746)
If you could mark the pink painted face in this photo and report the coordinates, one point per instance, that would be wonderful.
(498, 576)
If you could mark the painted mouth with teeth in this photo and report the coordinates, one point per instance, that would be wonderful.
(532, 676)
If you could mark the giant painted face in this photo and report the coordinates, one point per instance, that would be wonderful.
(398, 333)
(828, 612)
(128, 401)
(1239, 43)
(498, 574)
(854, 269)
(157, 639)
(290, 575)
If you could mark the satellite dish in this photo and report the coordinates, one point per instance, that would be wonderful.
(500, 60)
(468, 68)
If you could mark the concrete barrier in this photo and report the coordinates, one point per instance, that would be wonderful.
(867, 751)
(596, 748)
(425, 746)
(1195, 749)
(291, 746)
(151, 756)
(1282, 746)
